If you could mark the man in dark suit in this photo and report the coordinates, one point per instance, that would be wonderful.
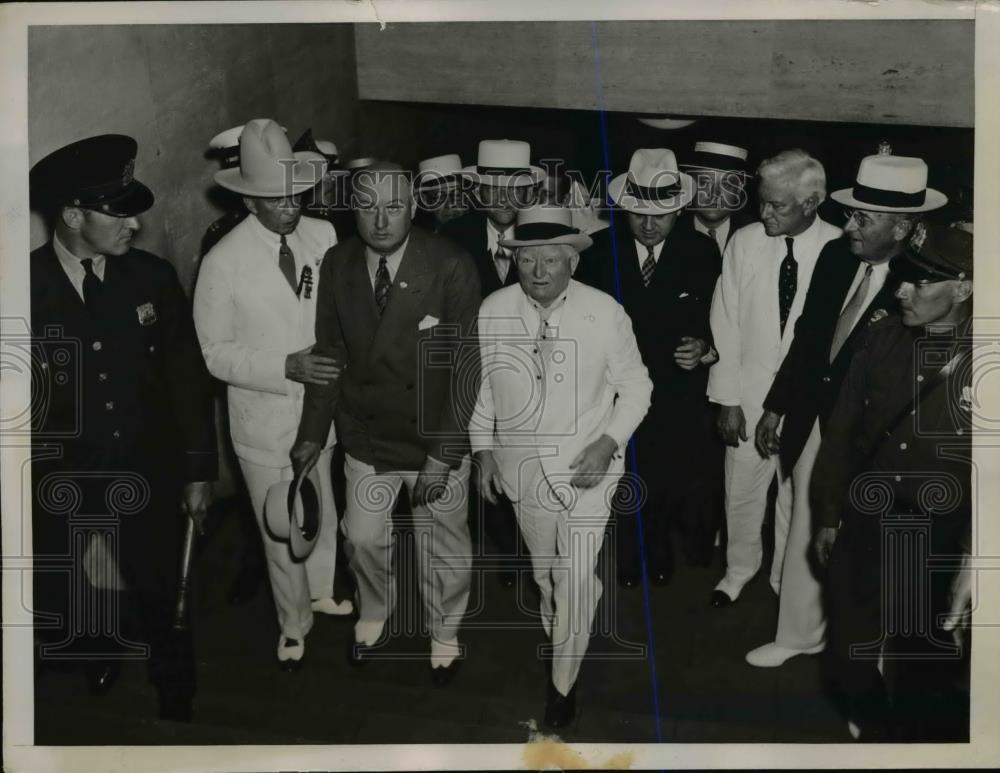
(664, 276)
(892, 498)
(397, 309)
(503, 181)
(852, 286)
(124, 436)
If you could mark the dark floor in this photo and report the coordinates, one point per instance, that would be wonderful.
(704, 690)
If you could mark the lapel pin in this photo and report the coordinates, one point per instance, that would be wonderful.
(403, 285)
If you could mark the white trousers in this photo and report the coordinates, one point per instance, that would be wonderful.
(564, 539)
(444, 548)
(748, 477)
(801, 623)
(294, 584)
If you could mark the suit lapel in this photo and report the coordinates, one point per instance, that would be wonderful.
(407, 288)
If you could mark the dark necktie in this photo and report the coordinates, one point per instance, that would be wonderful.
(845, 323)
(788, 279)
(648, 267)
(382, 285)
(92, 286)
(286, 262)
(713, 235)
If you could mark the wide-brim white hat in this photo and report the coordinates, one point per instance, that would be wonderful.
(653, 185)
(886, 183)
(268, 167)
(545, 224)
(293, 513)
(504, 163)
(438, 172)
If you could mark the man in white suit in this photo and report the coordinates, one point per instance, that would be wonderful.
(766, 270)
(563, 389)
(254, 311)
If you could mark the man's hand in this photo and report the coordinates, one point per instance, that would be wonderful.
(432, 482)
(822, 544)
(195, 501)
(732, 425)
(766, 436)
(304, 455)
(960, 602)
(592, 462)
(487, 476)
(308, 368)
(688, 355)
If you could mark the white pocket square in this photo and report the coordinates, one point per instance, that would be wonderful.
(427, 322)
(683, 295)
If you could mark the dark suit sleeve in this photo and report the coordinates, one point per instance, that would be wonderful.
(321, 399)
(706, 254)
(462, 299)
(794, 371)
(187, 381)
(839, 459)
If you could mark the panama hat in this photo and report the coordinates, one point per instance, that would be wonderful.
(504, 162)
(543, 224)
(268, 167)
(95, 173)
(718, 156)
(438, 172)
(292, 513)
(887, 183)
(653, 185)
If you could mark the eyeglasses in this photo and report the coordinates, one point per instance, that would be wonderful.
(862, 219)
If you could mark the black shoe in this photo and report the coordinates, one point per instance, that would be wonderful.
(246, 585)
(442, 676)
(628, 578)
(560, 709)
(507, 578)
(102, 675)
(720, 599)
(175, 708)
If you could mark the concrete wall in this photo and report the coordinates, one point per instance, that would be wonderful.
(173, 88)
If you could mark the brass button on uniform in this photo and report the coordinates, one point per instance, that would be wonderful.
(96, 346)
(102, 376)
(902, 446)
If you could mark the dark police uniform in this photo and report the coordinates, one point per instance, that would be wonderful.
(122, 418)
(894, 469)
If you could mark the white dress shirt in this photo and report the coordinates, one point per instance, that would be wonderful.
(641, 251)
(73, 266)
(392, 261)
(721, 231)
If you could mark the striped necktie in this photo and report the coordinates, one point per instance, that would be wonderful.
(382, 284)
(648, 266)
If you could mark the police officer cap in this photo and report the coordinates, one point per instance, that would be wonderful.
(936, 253)
(94, 173)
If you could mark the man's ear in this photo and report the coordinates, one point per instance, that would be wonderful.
(71, 217)
(250, 204)
(413, 205)
(811, 204)
(573, 263)
(963, 290)
(903, 228)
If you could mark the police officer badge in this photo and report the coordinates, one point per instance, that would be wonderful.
(147, 314)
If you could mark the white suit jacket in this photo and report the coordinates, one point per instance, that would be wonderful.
(594, 360)
(249, 320)
(745, 315)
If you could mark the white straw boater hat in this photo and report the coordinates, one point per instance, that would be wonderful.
(438, 172)
(543, 224)
(503, 163)
(718, 156)
(268, 167)
(292, 513)
(653, 185)
(887, 183)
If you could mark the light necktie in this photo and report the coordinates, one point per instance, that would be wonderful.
(648, 267)
(92, 286)
(845, 322)
(788, 279)
(382, 284)
(286, 262)
(501, 260)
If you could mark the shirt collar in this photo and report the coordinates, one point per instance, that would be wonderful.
(270, 238)
(69, 261)
(493, 235)
(392, 259)
(642, 250)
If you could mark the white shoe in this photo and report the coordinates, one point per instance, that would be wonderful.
(772, 655)
(330, 607)
(288, 651)
(854, 730)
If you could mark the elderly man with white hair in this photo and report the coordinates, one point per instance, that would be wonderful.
(563, 389)
(766, 270)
